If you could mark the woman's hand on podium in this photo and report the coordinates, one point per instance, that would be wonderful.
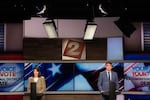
(102, 91)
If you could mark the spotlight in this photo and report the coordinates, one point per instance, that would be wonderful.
(50, 28)
(90, 30)
(102, 10)
(125, 26)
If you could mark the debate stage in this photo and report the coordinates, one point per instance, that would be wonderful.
(55, 95)
(74, 95)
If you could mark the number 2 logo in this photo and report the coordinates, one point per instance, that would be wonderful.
(74, 49)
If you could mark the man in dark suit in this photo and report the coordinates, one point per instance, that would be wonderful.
(105, 78)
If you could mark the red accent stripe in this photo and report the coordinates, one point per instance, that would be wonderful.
(126, 70)
(11, 57)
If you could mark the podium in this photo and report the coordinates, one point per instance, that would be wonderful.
(112, 88)
(33, 95)
(112, 91)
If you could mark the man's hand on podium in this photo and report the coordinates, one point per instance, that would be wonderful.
(117, 92)
(102, 91)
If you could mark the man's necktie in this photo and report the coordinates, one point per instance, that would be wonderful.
(109, 76)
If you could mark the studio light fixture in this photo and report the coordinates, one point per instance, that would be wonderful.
(90, 30)
(102, 10)
(50, 28)
(125, 26)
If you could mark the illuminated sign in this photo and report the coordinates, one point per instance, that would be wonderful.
(74, 49)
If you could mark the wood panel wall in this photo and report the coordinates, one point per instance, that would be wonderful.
(41, 49)
(51, 49)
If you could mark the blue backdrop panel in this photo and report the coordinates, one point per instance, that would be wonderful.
(71, 76)
(137, 96)
(11, 77)
(58, 76)
(137, 77)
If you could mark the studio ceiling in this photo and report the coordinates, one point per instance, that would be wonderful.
(18, 10)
